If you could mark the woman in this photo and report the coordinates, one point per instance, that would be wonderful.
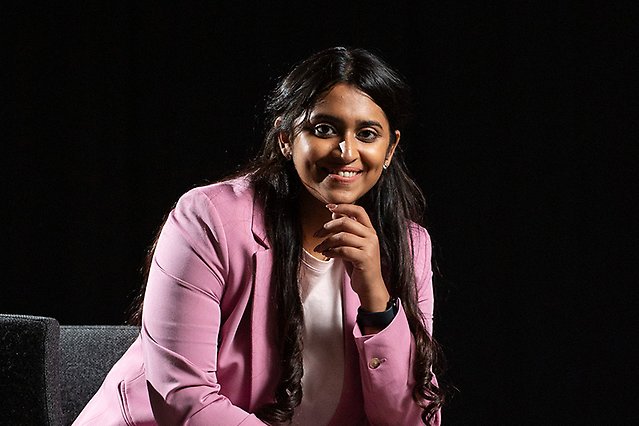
(300, 289)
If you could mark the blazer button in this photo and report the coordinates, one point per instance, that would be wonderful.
(374, 363)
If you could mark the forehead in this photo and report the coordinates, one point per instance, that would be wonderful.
(348, 103)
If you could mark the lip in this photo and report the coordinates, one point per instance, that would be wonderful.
(333, 174)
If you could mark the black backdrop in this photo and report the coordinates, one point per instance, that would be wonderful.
(118, 109)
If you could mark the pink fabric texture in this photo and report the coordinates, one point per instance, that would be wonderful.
(206, 353)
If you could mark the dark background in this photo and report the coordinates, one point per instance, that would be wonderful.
(115, 110)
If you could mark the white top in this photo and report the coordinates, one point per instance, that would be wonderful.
(321, 288)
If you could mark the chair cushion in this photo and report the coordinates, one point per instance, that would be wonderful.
(29, 382)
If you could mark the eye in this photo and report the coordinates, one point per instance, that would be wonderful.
(324, 130)
(367, 135)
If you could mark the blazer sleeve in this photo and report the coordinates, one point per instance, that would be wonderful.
(182, 318)
(386, 358)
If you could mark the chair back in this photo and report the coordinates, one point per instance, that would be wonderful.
(87, 353)
(29, 380)
(48, 373)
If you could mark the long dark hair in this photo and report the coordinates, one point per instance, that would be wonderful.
(395, 204)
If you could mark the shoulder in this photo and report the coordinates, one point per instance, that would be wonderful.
(216, 210)
(420, 238)
(421, 247)
(228, 199)
(232, 193)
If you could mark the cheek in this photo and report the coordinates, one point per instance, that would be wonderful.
(374, 156)
(303, 156)
(306, 151)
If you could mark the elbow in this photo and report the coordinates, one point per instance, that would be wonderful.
(180, 405)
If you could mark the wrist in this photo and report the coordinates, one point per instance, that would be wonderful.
(368, 320)
(375, 301)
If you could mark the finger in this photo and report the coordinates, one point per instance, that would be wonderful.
(341, 239)
(353, 258)
(349, 254)
(337, 216)
(344, 224)
(353, 211)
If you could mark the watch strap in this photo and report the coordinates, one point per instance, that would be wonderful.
(378, 319)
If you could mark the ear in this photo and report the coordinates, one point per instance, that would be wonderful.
(391, 149)
(283, 141)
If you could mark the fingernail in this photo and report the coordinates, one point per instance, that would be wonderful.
(331, 207)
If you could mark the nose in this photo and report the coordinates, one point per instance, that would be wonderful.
(348, 149)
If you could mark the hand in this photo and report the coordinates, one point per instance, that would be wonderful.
(350, 236)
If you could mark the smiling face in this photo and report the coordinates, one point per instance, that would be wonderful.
(335, 172)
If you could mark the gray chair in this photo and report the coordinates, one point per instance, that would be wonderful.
(49, 372)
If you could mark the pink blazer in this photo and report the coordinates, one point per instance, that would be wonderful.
(206, 352)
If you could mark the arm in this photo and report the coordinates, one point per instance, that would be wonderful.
(386, 355)
(182, 318)
(388, 384)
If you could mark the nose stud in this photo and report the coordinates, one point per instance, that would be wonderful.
(342, 146)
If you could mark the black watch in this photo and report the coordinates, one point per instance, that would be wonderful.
(378, 319)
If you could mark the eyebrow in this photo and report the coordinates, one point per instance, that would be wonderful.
(332, 118)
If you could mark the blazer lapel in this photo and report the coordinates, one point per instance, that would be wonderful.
(264, 356)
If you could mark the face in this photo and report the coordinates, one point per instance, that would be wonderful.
(341, 174)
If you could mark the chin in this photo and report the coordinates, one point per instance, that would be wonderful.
(341, 199)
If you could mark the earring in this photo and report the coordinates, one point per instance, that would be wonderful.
(385, 166)
(285, 149)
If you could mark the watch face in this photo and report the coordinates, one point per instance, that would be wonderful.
(394, 303)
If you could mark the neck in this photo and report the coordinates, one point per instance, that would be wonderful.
(313, 215)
